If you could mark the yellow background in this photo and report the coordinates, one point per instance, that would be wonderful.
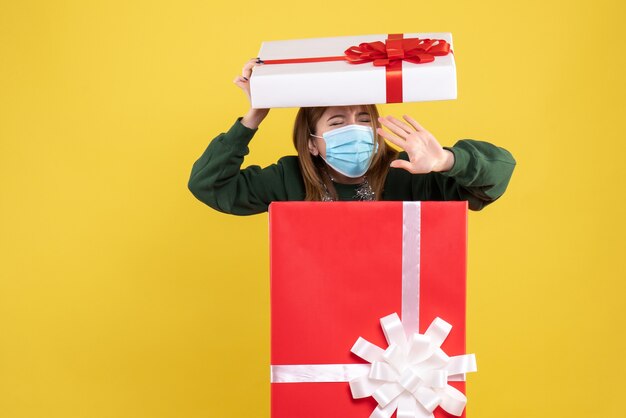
(123, 296)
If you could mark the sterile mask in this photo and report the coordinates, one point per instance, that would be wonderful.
(349, 149)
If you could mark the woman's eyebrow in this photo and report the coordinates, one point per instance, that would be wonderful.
(334, 116)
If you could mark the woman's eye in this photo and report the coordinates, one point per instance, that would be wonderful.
(335, 124)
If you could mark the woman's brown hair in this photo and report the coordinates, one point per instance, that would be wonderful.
(314, 168)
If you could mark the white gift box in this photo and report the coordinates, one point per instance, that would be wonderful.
(339, 82)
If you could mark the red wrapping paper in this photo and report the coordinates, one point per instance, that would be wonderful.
(336, 269)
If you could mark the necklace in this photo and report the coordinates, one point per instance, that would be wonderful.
(363, 192)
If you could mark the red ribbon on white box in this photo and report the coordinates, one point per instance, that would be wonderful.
(389, 54)
(411, 375)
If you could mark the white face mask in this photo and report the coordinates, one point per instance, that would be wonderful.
(350, 149)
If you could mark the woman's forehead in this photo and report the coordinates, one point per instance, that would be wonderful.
(345, 110)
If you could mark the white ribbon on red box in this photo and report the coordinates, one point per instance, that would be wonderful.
(412, 374)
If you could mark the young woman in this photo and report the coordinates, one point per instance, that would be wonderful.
(343, 155)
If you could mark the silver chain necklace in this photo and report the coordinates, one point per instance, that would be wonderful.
(363, 192)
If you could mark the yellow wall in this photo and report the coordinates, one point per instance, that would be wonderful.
(123, 296)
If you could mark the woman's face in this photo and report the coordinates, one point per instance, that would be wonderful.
(335, 117)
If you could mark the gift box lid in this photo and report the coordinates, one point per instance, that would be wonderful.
(334, 81)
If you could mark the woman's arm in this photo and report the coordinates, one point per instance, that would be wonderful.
(254, 117)
(476, 171)
(480, 174)
(217, 178)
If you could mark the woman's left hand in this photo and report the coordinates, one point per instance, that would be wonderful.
(425, 153)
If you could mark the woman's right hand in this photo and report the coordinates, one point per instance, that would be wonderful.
(254, 117)
(243, 81)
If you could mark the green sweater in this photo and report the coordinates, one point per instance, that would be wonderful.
(480, 174)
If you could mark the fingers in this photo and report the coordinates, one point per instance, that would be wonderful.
(393, 127)
(243, 80)
(398, 127)
(401, 164)
(392, 138)
(242, 83)
(246, 72)
(414, 123)
(407, 128)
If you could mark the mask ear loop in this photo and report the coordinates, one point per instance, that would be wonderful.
(317, 136)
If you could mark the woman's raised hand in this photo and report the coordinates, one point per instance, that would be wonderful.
(425, 153)
(254, 117)
(243, 81)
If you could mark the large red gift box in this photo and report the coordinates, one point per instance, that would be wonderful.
(337, 268)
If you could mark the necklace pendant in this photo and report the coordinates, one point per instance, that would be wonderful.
(365, 192)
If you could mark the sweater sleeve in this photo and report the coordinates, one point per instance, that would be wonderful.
(480, 174)
(217, 178)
